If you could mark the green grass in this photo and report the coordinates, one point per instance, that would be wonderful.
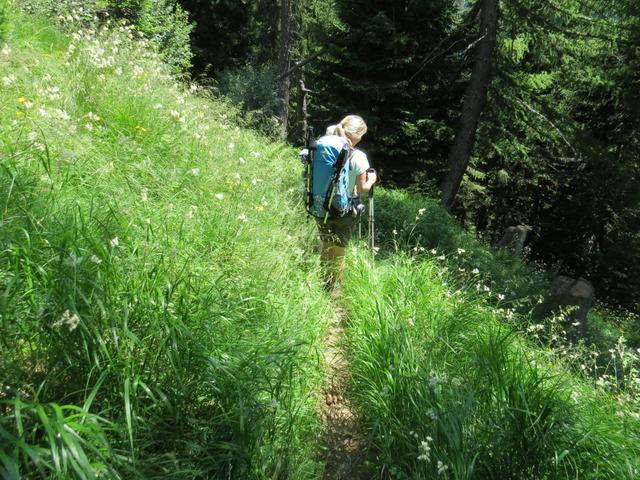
(157, 316)
(446, 389)
(161, 314)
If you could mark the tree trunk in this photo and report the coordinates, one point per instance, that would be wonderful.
(474, 101)
(284, 59)
(302, 114)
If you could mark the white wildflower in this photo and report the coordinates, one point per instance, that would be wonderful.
(242, 217)
(441, 257)
(157, 106)
(195, 172)
(425, 449)
(62, 115)
(88, 126)
(475, 271)
(45, 178)
(114, 242)
(242, 161)
(461, 251)
(192, 211)
(8, 80)
(220, 196)
(433, 251)
(6, 51)
(421, 211)
(442, 467)
(144, 194)
(71, 321)
(395, 232)
(231, 146)
(95, 259)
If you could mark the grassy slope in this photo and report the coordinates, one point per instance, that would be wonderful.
(138, 205)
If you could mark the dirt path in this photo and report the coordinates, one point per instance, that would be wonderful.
(342, 438)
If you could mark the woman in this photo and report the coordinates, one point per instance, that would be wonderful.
(335, 233)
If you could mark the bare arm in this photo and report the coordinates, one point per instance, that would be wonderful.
(365, 181)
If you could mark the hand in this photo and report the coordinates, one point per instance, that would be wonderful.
(372, 176)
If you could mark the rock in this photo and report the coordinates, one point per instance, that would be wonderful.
(514, 238)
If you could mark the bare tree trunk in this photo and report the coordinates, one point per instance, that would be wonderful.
(302, 114)
(284, 59)
(474, 101)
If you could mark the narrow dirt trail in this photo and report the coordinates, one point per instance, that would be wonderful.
(342, 438)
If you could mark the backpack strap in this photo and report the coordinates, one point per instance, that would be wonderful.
(343, 158)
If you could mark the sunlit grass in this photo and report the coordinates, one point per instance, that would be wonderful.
(446, 389)
(158, 318)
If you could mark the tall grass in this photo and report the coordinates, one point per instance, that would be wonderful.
(158, 318)
(447, 390)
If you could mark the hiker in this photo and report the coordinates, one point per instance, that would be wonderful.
(336, 232)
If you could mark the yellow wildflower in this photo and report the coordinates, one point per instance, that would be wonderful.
(22, 99)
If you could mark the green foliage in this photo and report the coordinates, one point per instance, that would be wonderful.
(561, 122)
(381, 65)
(164, 22)
(444, 389)
(4, 17)
(251, 88)
(153, 324)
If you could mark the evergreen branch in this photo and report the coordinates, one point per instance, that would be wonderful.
(538, 19)
(549, 121)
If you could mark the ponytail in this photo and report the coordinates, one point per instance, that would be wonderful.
(352, 127)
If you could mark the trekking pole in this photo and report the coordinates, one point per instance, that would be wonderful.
(372, 229)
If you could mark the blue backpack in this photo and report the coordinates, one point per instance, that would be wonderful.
(327, 175)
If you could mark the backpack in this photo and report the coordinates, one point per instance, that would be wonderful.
(327, 176)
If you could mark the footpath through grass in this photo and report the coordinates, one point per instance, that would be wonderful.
(159, 317)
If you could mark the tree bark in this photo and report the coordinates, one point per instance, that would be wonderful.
(474, 101)
(302, 114)
(284, 59)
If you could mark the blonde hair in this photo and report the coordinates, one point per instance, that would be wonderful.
(351, 127)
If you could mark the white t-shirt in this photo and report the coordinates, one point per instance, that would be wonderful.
(359, 164)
